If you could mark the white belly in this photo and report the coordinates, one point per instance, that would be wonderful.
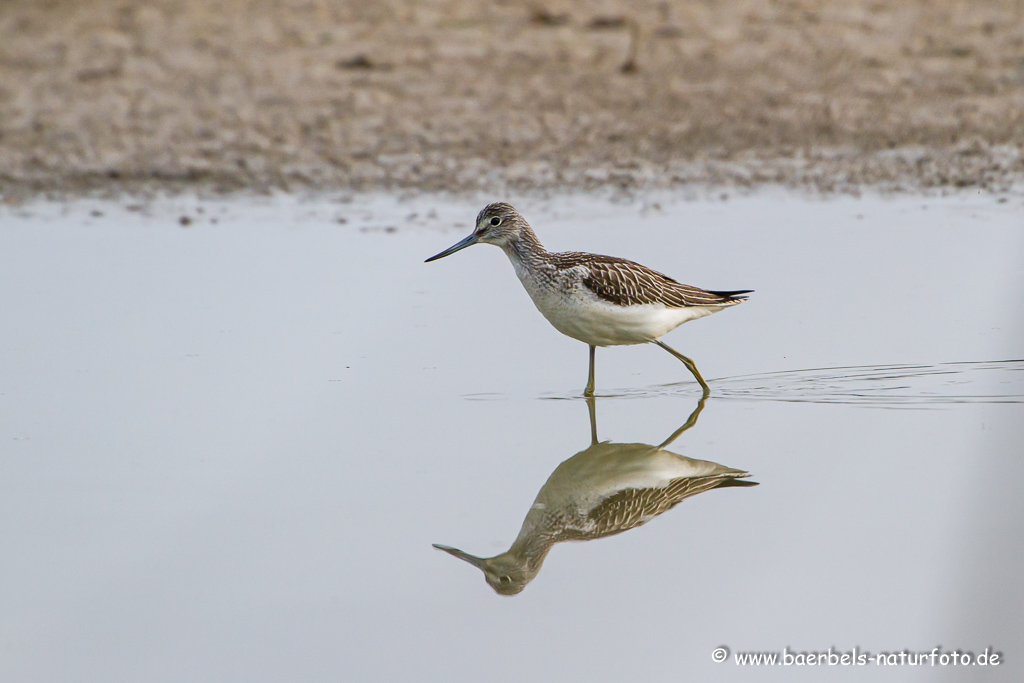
(585, 317)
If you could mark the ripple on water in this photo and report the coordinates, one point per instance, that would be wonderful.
(873, 386)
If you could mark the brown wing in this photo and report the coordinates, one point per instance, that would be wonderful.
(630, 508)
(626, 283)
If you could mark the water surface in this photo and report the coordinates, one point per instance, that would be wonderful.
(227, 444)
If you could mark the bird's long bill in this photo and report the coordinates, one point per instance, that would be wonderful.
(477, 562)
(468, 242)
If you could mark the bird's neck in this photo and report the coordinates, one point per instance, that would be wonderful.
(529, 552)
(535, 538)
(525, 249)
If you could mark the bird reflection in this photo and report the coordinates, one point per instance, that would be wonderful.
(601, 491)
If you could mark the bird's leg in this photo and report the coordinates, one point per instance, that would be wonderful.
(592, 408)
(690, 365)
(589, 391)
(690, 421)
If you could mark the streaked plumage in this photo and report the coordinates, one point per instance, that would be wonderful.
(604, 490)
(599, 300)
(625, 283)
(631, 508)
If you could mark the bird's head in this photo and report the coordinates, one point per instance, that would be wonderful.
(505, 573)
(497, 224)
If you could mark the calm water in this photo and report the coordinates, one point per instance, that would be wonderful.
(227, 447)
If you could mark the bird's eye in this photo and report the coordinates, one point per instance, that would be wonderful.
(505, 579)
(496, 221)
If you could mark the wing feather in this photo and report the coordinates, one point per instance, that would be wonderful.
(630, 508)
(626, 283)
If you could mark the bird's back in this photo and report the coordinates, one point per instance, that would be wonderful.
(612, 487)
(626, 283)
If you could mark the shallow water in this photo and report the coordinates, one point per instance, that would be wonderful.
(227, 447)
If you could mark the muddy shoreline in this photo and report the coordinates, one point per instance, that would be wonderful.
(108, 96)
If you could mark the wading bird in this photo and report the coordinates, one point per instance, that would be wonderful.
(601, 491)
(599, 300)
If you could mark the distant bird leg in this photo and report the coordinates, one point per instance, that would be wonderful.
(630, 66)
(691, 366)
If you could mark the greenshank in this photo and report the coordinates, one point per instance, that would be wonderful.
(601, 491)
(599, 300)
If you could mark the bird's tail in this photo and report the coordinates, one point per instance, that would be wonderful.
(734, 295)
(726, 483)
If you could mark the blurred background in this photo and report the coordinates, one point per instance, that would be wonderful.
(464, 94)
